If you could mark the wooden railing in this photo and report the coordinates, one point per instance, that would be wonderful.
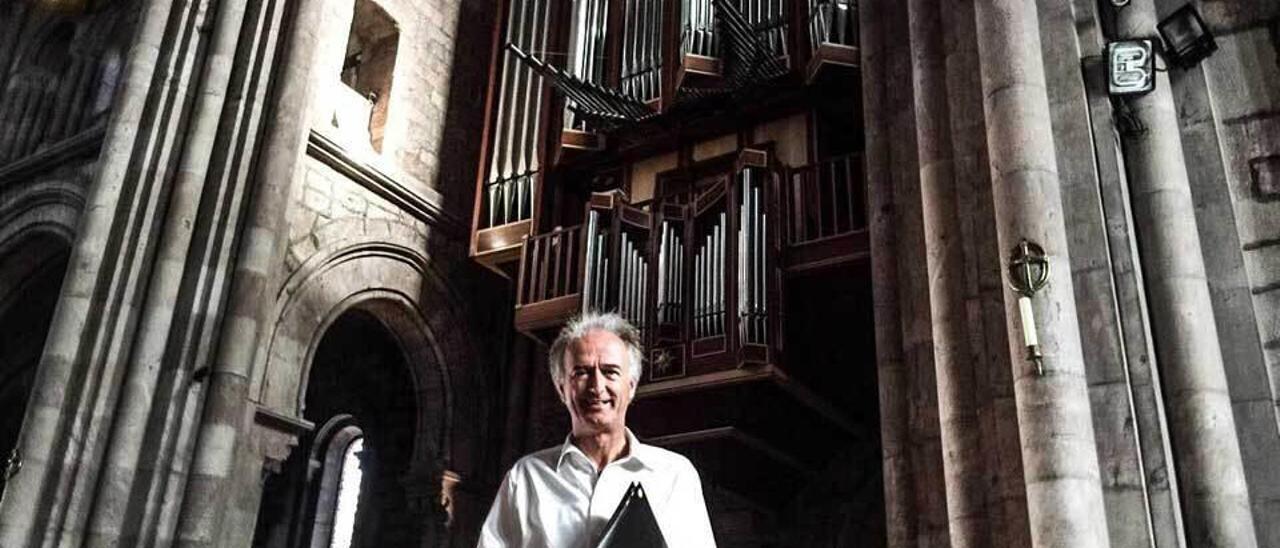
(824, 200)
(551, 266)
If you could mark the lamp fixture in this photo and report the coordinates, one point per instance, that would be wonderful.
(1187, 39)
(1130, 67)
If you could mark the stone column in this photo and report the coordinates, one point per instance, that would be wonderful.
(899, 489)
(1060, 464)
(227, 412)
(1210, 470)
(997, 410)
(957, 410)
(913, 284)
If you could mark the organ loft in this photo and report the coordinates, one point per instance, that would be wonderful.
(988, 273)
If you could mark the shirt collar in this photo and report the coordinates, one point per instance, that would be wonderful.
(635, 450)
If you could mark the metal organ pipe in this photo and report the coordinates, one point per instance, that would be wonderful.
(752, 260)
(643, 51)
(665, 281)
(643, 276)
(710, 313)
(705, 301)
(630, 271)
(517, 120)
(753, 254)
(588, 270)
(713, 283)
(532, 120)
(674, 274)
(744, 259)
(762, 301)
(696, 305)
(634, 274)
(719, 280)
(588, 21)
(645, 44)
(602, 272)
(677, 277)
(642, 47)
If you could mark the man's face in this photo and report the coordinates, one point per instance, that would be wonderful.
(597, 383)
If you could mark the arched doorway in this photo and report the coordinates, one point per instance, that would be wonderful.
(343, 486)
(31, 274)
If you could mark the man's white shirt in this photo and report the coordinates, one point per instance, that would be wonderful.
(555, 498)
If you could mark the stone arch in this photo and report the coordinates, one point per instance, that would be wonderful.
(37, 227)
(49, 206)
(397, 285)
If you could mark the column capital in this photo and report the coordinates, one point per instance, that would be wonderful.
(275, 434)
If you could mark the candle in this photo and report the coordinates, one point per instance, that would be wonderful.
(1028, 322)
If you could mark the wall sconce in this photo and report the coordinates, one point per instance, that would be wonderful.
(1130, 67)
(1186, 38)
(1028, 274)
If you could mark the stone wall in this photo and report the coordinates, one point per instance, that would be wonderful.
(391, 225)
(437, 89)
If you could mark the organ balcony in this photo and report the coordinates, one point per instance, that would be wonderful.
(597, 81)
(701, 268)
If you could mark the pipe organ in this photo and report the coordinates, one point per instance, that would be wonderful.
(516, 121)
(568, 73)
(697, 270)
(641, 68)
(587, 52)
(698, 28)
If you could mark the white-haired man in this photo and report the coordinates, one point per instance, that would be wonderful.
(562, 497)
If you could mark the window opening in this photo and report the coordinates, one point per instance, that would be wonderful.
(344, 519)
(367, 70)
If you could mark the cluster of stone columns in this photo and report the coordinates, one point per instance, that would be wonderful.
(112, 423)
(1215, 499)
(954, 162)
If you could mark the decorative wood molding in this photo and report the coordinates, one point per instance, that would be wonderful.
(423, 204)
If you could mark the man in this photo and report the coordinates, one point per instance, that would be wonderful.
(562, 497)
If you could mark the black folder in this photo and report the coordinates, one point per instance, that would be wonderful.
(632, 524)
